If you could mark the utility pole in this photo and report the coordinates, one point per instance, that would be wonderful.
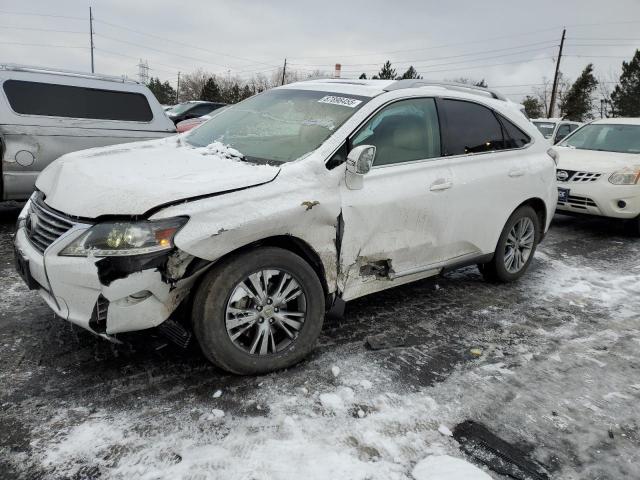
(91, 36)
(602, 108)
(554, 90)
(178, 90)
(284, 70)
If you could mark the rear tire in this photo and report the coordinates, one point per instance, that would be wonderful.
(516, 247)
(241, 319)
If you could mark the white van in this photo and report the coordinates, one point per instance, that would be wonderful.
(47, 113)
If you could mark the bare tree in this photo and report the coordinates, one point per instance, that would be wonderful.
(191, 84)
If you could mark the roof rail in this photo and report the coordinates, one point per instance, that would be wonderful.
(69, 73)
(462, 87)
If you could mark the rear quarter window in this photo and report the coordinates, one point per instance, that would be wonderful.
(514, 137)
(54, 100)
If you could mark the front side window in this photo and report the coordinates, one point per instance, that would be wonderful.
(471, 128)
(278, 126)
(52, 100)
(404, 131)
(606, 138)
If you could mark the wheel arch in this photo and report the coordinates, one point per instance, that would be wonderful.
(540, 208)
(287, 242)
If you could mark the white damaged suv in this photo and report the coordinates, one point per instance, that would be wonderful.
(248, 229)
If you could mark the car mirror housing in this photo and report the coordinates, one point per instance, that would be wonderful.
(360, 159)
(359, 162)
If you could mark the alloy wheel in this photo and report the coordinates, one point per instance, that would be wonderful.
(519, 245)
(265, 312)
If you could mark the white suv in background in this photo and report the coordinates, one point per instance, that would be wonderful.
(555, 129)
(599, 170)
(249, 228)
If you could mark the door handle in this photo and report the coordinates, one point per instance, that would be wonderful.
(441, 184)
(516, 173)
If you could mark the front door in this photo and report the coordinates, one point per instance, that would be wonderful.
(396, 228)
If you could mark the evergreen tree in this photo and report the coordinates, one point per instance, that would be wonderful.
(211, 91)
(363, 76)
(386, 72)
(234, 94)
(533, 107)
(246, 92)
(482, 83)
(576, 103)
(410, 73)
(164, 92)
(625, 98)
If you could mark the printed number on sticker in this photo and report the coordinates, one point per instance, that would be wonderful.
(344, 101)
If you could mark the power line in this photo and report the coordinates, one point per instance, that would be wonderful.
(4, 12)
(41, 45)
(476, 66)
(182, 43)
(432, 47)
(445, 57)
(11, 27)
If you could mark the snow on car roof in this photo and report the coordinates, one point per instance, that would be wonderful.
(365, 88)
(619, 121)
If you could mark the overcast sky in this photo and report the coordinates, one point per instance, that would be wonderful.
(510, 43)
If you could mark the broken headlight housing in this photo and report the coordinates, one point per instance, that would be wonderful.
(126, 238)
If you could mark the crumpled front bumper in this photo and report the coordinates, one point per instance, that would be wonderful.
(72, 287)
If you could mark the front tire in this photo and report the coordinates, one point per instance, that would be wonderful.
(516, 247)
(259, 311)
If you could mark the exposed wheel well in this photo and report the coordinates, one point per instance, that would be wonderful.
(294, 245)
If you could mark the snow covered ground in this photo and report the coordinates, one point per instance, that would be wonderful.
(549, 364)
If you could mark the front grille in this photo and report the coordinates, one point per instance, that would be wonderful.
(44, 225)
(579, 202)
(576, 176)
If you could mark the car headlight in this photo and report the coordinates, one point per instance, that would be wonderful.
(626, 177)
(126, 238)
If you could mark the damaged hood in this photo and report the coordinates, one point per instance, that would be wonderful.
(133, 178)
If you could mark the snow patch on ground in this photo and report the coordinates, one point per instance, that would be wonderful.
(444, 467)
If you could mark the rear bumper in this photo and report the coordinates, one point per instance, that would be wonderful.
(602, 199)
(72, 288)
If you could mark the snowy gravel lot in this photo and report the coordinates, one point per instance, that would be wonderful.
(550, 364)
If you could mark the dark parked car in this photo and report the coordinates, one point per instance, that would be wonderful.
(192, 109)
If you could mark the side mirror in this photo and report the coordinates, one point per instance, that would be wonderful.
(359, 162)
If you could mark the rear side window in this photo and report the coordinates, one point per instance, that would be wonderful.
(513, 136)
(46, 99)
(471, 128)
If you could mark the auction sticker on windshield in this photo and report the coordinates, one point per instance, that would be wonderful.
(344, 101)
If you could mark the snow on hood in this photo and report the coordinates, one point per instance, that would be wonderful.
(595, 160)
(132, 178)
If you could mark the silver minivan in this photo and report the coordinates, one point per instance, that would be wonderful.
(46, 113)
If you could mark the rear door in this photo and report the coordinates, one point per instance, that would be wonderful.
(490, 174)
(397, 227)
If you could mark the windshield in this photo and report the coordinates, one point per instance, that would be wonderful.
(606, 137)
(546, 128)
(278, 126)
(180, 108)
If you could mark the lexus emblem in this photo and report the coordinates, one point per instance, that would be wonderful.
(562, 175)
